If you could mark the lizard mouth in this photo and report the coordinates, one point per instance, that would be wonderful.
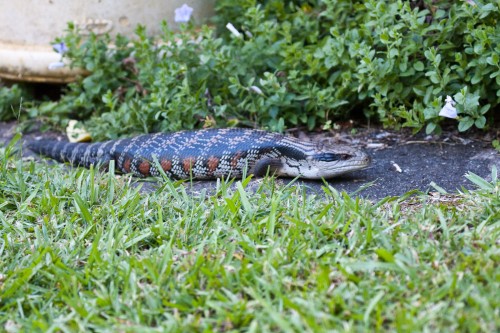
(344, 163)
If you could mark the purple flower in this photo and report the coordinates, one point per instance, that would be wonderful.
(60, 48)
(183, 14)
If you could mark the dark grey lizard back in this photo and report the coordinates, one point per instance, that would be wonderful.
(206, 153)
(211, 153)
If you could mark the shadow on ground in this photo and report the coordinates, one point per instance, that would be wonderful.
(401, 162)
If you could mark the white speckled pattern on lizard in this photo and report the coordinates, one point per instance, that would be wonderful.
(211, 153)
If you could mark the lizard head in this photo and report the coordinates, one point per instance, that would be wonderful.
(331, 159)
(323, 159)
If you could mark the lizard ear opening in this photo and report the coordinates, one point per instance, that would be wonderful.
(266, 166)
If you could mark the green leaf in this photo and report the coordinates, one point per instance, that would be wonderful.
(480, 122)
(465, 124)
(371, 306)
(83, 207)
(384, 37)
(479, 181)
(384, 255)
(433, 76)
(438, 188)
(495, 74)
(12, 143)
(393, 53)
(493, 60)
(460, 97)
(486, 10)
(419, 66)
(471, 102)
(430, 128)
(430, 113)
(244, 198)
(478, 48)
(484, 109)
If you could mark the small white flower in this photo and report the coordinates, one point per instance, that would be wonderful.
(450, 100)
(60, 48)
(183, 14)
(256, 90)
(233, 30)
(56, 65)
(11, 326)
(449, 110)
(471, 2)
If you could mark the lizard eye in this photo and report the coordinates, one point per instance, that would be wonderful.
(331, 157)
(326, 157)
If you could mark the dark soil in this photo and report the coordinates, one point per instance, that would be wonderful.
(401, 162)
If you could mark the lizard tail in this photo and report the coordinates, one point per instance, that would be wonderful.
(77, 154)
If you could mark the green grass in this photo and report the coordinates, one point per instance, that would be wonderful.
(82, 250)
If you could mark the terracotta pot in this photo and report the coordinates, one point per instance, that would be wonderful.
(28, 28)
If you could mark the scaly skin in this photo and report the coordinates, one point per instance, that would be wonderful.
(211, 153)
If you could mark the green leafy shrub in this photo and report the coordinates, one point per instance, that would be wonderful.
(391, 60)
(294, 63)
(10, 101)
